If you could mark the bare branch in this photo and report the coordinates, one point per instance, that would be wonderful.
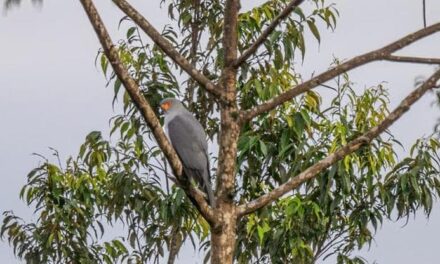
(260, 40)
(195, 39)
(424, 12)
(143, 106)
(380, 54)
(175, 245)
(349, 148)
(412, 59)
(167, 48)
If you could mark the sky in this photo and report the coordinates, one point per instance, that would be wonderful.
(52, 94)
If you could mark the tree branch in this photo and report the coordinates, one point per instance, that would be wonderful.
(260, 40)
(168, 49)
(424, 12)
(176, 243)
(380, 54)
(349, 148)
(143, 106)
(195, 39)
(412, 59)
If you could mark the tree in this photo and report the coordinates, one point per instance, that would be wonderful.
(299, 176)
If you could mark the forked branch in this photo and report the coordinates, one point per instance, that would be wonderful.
(132, 88)
(349, 148)
(167, 48)
(380, 54)
(265, 34)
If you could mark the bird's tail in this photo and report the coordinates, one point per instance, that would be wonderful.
(210, 193)
(208, 188)
(204, 183)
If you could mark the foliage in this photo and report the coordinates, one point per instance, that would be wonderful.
(127, 182)
(7, 4)
(102, 187)
(340, 210)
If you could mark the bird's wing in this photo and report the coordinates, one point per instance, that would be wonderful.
(188, 142)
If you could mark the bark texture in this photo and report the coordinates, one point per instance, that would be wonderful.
(223, 236)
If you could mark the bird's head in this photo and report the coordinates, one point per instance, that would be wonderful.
(170, 104)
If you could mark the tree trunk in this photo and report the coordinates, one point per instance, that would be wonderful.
(223, 234)
(223, 237)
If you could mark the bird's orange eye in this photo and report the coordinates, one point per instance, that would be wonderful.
(165, 106)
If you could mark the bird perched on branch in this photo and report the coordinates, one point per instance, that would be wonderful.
(189, 140)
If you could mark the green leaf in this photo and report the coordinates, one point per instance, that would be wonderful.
(314, 29)
(263, 148)
(278, 61)
(104, 64)
(130, 32)
(259, 88)
(261, 230)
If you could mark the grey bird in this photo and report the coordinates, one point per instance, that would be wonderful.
(189, 140)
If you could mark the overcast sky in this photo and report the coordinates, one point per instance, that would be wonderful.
(52, 95)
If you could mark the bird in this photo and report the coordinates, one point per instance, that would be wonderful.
(188, 138)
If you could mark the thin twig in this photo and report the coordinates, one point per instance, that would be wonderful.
(424, 13)
(167, 180)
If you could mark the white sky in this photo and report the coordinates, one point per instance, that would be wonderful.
(52, 95)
